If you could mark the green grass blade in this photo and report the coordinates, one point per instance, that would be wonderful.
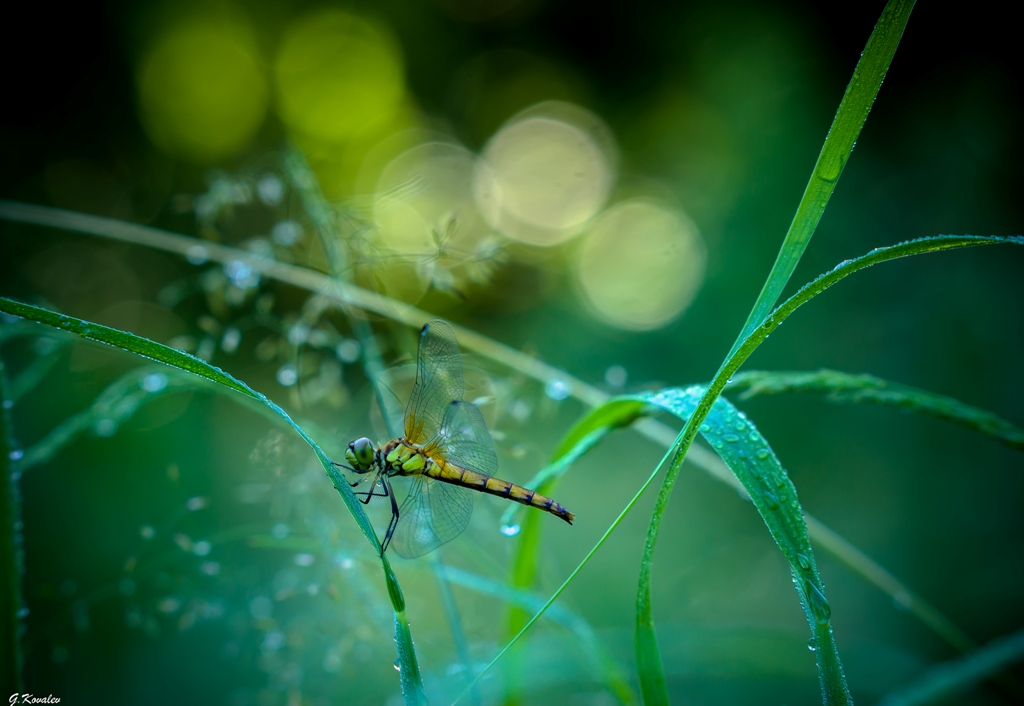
(752, 460)
(745, 349)
(842, 136)
(849, 388)
(183, 361)
(327, 222)
(958, 676)
(10, 551)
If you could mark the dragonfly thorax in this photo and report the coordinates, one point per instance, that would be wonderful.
(402, 458)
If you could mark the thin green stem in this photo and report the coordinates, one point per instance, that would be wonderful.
(842, 136)
(10, 550)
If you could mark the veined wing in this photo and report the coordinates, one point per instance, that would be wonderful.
(438, 382)
(463, 439)
(433, 513)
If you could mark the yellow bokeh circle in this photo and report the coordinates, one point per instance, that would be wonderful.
(546, 173)
(337, 75)
(202, 91)
(640, 265)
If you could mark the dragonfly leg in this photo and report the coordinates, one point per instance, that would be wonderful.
(372, 493)
(394, 516)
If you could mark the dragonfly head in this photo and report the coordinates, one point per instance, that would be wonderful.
(360, 455)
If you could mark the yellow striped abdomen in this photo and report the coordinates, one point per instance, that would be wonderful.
(450, 473)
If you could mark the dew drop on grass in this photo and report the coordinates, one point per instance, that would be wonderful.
(812, 644)
(732, 438)
(287, 375)
(771, 501)
(820, 608)
(557, 390)
(105, 427)
(510, 530)
(197, 255)
(398, 665)
(804, 562)
(154, 382)
(762, 454)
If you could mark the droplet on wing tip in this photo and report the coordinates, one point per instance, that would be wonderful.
(510, 530)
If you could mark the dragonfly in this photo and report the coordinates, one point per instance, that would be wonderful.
(447, 453)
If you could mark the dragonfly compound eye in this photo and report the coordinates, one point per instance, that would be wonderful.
(360, 454)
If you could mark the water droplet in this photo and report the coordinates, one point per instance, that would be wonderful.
(762, 454)
(202, 548)
(154, 382)
(16, 455)
(615, 376)
(812, 644)
(287, 375)
(347, 351)
(286, 233)
(804, 562)
(105, 427)
(732, 438)
(510, 530)
(740, 426)
(794, 503)
(704, 428)
(398, 666)
(771, 501)
(270, 190)
(241, 274)
(197, 255)
(280, 530)
(558, 390)
(820, 608)
(230, 340)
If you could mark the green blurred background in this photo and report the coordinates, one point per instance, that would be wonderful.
(609, 185)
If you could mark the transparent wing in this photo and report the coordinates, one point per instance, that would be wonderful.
(432, 514)
(463, 439)
(438, 382)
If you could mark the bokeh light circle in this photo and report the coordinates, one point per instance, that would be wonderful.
(420, 192)
(640, 265)
(202, 91)
(336, 75)
(544, 176)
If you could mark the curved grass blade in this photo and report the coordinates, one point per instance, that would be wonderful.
(833, 690)
(850, 388)
(10, 551)
(749, 457)
(183, 361)
(842, 136)
(958, 676)
(325, 218)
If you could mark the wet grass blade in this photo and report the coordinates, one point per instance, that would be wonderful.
(188, 363)
(842, 136)
(958, 676)
(833, 691)
(10, 551)
(849, 388)
(846, 126)
(753, 462)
